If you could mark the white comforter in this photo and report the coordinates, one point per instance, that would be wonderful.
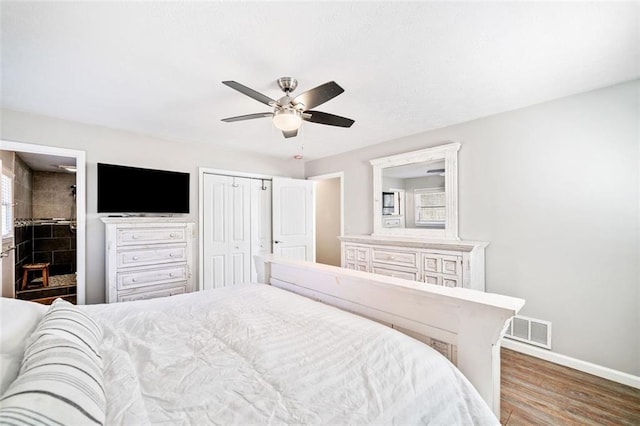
(255, 354)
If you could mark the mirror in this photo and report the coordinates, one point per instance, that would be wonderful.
(415, 193)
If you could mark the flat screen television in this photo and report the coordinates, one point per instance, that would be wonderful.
(127, 190)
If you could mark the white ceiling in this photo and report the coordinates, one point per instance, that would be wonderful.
(412, 170)
(47, 163)
(156, 68)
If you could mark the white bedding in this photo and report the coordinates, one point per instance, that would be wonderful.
(255, 354)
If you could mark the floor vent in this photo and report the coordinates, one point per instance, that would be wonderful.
(530, 330)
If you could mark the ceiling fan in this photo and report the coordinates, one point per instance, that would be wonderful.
(288, 112)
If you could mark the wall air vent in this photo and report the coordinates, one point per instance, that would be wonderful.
(530, 330)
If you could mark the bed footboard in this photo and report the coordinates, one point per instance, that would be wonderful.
(465, 325)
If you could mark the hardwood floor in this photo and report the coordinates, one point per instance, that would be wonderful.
(537, 392)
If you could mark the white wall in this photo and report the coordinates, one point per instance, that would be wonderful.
(555, 189)
(113, 146)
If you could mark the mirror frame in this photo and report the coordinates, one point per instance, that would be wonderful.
(449, 153)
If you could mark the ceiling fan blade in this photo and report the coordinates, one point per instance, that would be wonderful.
(247, 117)
(249, 92)
(290, 134)
(318, 95)
(330, 119)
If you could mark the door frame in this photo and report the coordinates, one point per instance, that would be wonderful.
(339, 175)
(201, 172)
(81, 207)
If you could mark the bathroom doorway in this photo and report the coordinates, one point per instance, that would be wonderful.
(47, 252)
(329, 217)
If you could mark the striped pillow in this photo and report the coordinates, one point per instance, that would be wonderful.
(60, 381)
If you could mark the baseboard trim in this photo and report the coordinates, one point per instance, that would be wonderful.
(576, 364)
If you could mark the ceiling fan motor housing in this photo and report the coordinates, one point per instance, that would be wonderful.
(287, 84)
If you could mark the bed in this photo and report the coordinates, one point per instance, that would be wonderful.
(262, 354)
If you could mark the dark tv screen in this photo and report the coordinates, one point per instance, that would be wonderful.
(123, 189)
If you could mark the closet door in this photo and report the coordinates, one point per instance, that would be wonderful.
(215, 234)
(239, 219)
(226, 231)
(293, 233)
(260, 220)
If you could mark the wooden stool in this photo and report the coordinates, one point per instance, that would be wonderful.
(43, 267)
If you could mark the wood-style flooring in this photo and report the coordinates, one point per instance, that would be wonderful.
(537, 392)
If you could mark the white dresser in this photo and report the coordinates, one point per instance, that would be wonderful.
(147, 257)
(439, 262)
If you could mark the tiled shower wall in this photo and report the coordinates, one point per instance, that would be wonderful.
(24, 249)
(52, 196)
(55, 244)
(22, 189)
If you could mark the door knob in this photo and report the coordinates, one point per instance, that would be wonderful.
(277, 242)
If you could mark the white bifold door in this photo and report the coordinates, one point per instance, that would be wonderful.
(227, 230)
(244, 216)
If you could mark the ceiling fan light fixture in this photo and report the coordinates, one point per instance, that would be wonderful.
(287, 119)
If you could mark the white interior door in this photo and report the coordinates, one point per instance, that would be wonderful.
(215, 231)
(226, 231)
(293, 233)
(239, 218)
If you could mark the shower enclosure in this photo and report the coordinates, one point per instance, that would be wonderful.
(44, 232)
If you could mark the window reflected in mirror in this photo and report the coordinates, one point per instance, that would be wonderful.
(414, 196)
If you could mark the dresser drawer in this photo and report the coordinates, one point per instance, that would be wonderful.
(432, 279)
(441, 264)
(147, 277)
(442, 279)
(151, 256)
(391, 222)
(396, 273)
(451, 265)
(402, 258)
(139, 236)
(450, 281)
(153, 294)
(357, 253)
(356, 266)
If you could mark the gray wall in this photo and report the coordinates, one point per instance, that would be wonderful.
(118, 147)
(555, 189)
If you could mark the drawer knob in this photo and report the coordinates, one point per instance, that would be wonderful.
(135, 257)
(171, 274)
(134, 237)
(133, 280)
(171, 255)
(172, 235)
